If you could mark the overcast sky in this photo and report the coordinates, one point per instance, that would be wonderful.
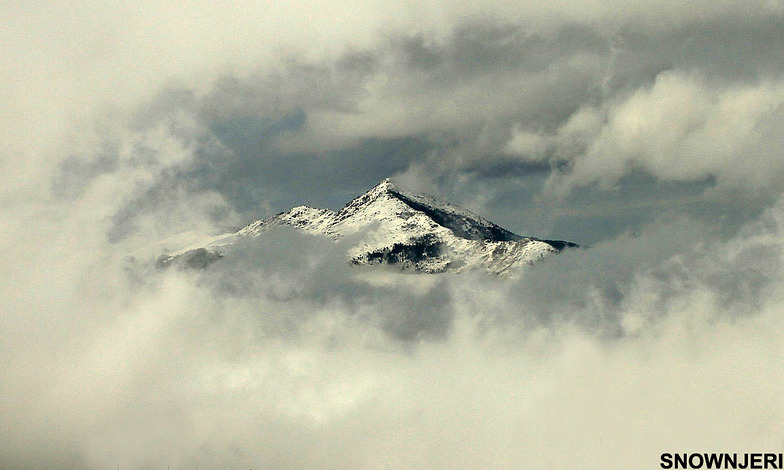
(651, 132)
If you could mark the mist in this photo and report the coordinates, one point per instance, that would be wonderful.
(649, 134)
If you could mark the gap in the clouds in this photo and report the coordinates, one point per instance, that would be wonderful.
(515, 195)
(327, 179)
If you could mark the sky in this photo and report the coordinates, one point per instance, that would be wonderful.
(649, 132)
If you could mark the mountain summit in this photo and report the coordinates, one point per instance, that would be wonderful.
(415, 232)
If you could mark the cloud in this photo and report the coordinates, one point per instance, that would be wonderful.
(286, 356)
(565, 107)
(650, 133)
(682, 129)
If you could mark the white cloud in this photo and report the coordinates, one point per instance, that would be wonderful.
(681, 129)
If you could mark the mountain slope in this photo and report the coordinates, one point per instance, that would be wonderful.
(413, 231)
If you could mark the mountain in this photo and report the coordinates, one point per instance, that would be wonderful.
(415, 232)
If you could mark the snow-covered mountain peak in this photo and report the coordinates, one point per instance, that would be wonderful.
(381, 192)
(385, 185)
(413, 231)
